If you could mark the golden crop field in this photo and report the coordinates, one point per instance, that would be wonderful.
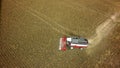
(30, 31)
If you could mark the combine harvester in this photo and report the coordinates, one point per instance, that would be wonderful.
(72, 42)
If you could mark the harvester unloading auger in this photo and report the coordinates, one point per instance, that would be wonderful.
(72, 42)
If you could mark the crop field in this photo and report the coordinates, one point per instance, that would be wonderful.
(30, 31)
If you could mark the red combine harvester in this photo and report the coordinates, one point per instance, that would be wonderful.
(72, 42)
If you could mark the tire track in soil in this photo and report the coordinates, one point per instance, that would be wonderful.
(102, 31)
(55, 26)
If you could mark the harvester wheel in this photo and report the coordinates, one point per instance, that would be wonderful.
(81, 48)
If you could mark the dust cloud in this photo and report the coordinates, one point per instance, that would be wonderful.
(102, 31)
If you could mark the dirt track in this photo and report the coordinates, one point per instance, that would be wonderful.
(30, 32)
